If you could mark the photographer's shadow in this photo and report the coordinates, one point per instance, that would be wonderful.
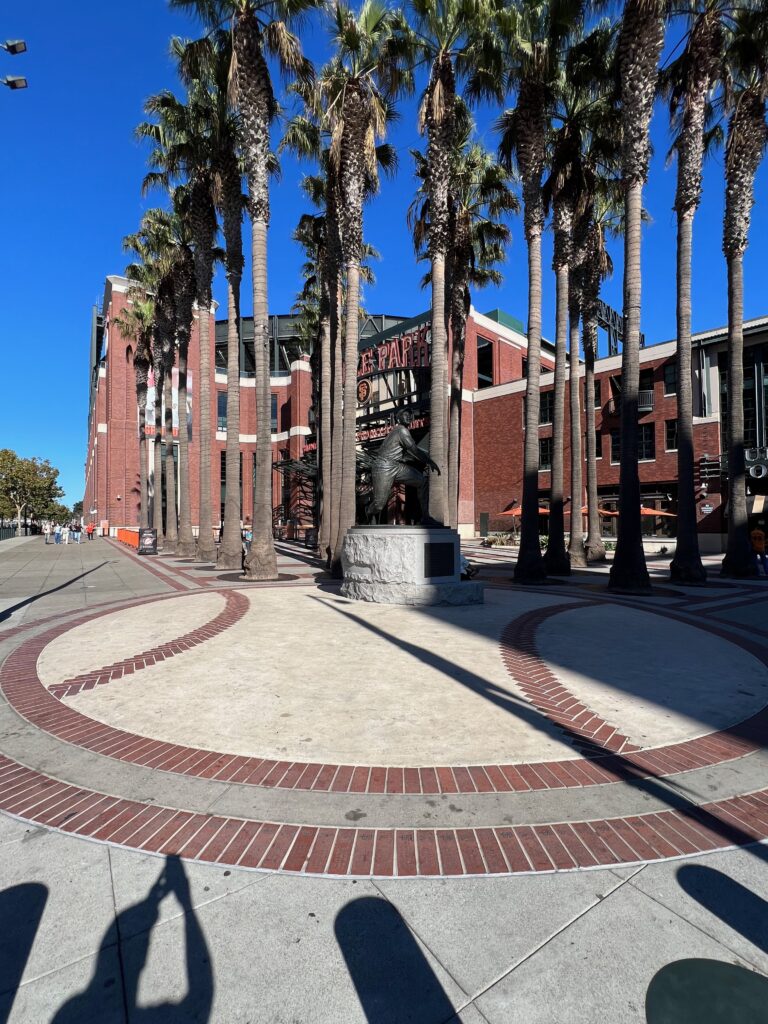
(129, 935)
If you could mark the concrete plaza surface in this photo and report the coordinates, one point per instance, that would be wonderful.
(104, 931)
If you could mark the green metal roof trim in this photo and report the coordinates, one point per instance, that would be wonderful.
(394, 332)
(506, 320)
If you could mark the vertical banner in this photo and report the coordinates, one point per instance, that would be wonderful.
(149, 428)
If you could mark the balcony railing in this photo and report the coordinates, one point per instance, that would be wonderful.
(645, 403)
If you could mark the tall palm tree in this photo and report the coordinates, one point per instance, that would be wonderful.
(260, 29)
(641, 38)
(185, 290)
(205, 66)
(447, 35)
(357, 86)
(535, 34)
(136, 323)
(479, 195)
(688, 83)
(746, 89)
(578, 145)
(181, 151)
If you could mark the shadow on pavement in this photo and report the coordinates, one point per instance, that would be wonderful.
(735, 905)
(706, 992)
(130, 934)
(21, 909)
(6, 613)
(394, 982)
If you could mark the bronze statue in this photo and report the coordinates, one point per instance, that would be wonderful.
(399, 460)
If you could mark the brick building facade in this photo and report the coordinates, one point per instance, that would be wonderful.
(394, 370)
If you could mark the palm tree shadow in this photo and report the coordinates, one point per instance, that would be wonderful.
(735, 904)
(394, 982)
(6, 613)
(665, 789)
(129, 937)
(21, 909)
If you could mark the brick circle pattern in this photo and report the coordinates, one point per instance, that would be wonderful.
(363, 852)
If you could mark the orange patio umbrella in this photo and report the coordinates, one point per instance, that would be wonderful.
(518, 511)
(646, 511)
(601, 511)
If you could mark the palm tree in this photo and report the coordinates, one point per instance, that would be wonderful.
(136, 323)
(181, 150)
(746, 89)
(357, 87)
(688, 83)
(185, 290)
(535, 33)
(205, 68)
(641, 38)
(260, 29)
(448, 36)
(479, 195)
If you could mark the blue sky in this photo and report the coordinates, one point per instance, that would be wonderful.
(70, 190)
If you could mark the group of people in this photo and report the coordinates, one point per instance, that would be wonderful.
(56, 533)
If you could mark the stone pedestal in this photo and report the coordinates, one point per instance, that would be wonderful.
(405, 565)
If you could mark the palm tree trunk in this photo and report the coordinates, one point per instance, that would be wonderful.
(143, 487)
(458, 346)
(171, 521)
(530, 563)
(325, 439)
(556, 559)
(686, 566)
(576, 554)
(231, 550)
(261, 562)
(594, 548)
(206, 548)
(186, 544)
(157, 504)
(737, 561)
(337, 427)
(347, 504)
(437, 418)
(628, 572)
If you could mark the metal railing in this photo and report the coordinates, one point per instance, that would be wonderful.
(645, 403)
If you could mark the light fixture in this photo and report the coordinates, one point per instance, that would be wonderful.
(119, 497)
(14, 81)
(14, 46)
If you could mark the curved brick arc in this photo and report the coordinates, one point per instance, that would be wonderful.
(360, 852)
(29, 697)
(235, 607)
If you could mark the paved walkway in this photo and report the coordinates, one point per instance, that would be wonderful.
(263, 802)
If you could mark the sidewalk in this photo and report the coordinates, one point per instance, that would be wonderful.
(119, 674)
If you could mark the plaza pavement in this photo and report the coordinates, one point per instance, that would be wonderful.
(263, 803)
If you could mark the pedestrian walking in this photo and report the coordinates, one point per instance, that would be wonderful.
(47, 532)
(76, 533)
(90, 530)
(65, 533)
(57, 533)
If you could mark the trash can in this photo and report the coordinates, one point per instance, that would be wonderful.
(147, 541)
(310, 538)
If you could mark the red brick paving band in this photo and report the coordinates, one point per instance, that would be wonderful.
(609, 757)
(366, 852)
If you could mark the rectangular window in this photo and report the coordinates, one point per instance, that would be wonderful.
(221, 410)
(598, 446)
(545, 453)
(646, 442)
(646, 380)
(615, 446)
(670, 435)
(273, 416)
(546, 406)
(670, 378)
(597, 395)
(484, 363)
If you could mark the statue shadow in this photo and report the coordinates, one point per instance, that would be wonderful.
(393, 980)
(127, 943)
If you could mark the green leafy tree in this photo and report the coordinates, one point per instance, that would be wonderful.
(28, 487)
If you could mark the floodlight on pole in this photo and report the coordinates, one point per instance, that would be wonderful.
(14, 46)
(14, 81)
